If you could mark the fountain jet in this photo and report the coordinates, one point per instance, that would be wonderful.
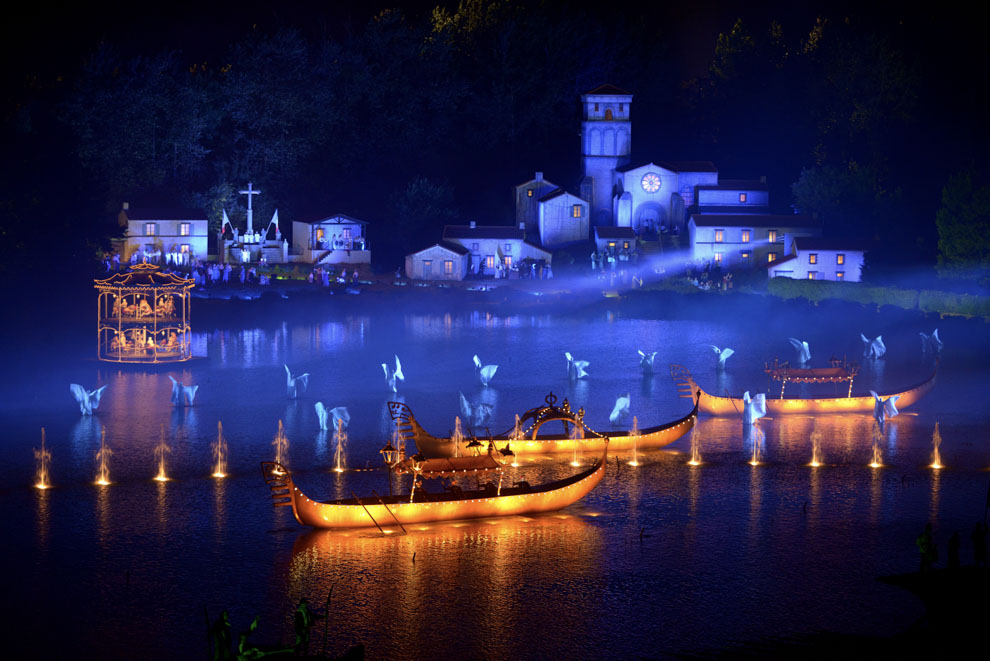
(936, 444)
(219, 453)
(160, 451)
(340, 441)
(634, 432)
(457, 436)
(758, 438)
(281, 444)
(43, 457)
(103, 460)
(517, 434)
(577, 435)
(695, 450)
(816, 447)
(877, 461)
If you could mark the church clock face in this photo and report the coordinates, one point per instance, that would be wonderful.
(651, 182)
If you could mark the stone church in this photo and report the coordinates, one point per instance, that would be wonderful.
(656, 196)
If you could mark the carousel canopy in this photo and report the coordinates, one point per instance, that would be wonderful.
(449, 467)
(145, 277)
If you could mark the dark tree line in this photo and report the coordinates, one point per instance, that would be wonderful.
(411, 121)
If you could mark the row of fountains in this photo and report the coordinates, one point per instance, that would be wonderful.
(219, 451)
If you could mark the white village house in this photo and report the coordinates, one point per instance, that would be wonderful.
(815, 258)
(746, 240)
(163, 231)
(336, 239)
(441, 261)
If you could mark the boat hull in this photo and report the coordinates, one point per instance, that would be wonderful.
(732, 406)
(647, 439)
(372, 512)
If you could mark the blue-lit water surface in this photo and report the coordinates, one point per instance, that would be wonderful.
(660, 558)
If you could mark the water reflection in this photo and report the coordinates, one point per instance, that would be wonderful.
(397, 581)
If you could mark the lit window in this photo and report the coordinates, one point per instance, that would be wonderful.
(448, 267)
(812, 275)
(771, 256)
(611, 244)
(183, 229)
(608, 113)
(529, 193)
(772, 236)
(718, 235)
(840, 259)
(742, 198)
(575, 211)
(185, 247)
(427, 267)
(319, 234)
(745, 236)
(490, 262)
(718, 258)
(347, 233)
(149, 229)
(744, 255)
(813, 258)
(625, 244)
(508, 261)
(840, 275)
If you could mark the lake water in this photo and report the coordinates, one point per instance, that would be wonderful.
(659, 559)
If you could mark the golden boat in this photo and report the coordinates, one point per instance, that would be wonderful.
(527, 439)
(848, 403)
(422, 507)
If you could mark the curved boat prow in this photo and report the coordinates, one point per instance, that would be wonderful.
(279, 481)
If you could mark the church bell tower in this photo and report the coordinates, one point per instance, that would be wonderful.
(606, 138)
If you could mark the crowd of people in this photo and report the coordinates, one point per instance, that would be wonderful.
(221, 638)
(928, 549)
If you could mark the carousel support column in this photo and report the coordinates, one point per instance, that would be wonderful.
(185, 335)
(154, 325)
(850, 393)
(499, 491)
(120, 328)
(783, 384)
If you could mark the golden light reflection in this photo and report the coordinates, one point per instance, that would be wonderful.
(484, 572)
(161, 450)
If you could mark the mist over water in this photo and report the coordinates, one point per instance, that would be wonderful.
(135, 562)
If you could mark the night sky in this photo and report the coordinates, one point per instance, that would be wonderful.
(890, 93)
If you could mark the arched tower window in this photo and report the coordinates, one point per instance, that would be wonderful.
(608, 113)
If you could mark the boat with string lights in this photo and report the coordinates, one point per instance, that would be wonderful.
(419, 506)
(840, 372)
(529, 435)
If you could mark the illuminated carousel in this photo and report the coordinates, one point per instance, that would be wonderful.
(143, 316)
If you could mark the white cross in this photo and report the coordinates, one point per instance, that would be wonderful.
(250, 218)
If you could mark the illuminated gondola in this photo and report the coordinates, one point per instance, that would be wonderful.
(848, 403)
(422, 507)
(528, 439)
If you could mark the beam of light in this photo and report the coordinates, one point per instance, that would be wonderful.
(43, 457)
